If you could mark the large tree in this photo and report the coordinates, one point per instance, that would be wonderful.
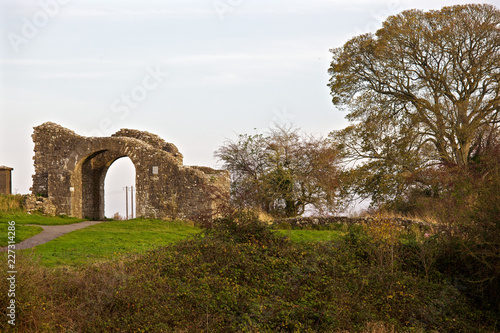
(424, 90)
(282, 172)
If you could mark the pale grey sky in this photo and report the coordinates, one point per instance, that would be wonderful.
(193, 72)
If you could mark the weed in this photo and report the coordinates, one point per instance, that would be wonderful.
(11, 203)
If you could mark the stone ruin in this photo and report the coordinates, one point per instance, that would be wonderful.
(70, 170)
(5, 179)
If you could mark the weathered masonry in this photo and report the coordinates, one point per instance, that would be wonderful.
(5, 180)
(70, 171)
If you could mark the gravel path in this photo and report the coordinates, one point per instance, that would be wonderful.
(49, 233)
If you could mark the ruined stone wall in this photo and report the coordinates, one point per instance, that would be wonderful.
(70, 170)
(307, 221)
(5, 180)
(152, 139)
(37, 204)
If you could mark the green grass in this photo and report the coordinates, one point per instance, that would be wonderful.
(112, 240)
(25, 218)
(115, 239)
(22, 232)
(312, 236)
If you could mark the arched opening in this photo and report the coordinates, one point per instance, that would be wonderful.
(119, 190)
(87, 191)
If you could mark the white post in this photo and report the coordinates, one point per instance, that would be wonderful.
(132, 200)
(126, 202)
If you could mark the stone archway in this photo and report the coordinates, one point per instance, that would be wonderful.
(70, 169)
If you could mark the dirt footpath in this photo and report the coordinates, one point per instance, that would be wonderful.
(49, 233)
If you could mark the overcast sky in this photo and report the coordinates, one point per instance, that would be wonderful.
(193, 72)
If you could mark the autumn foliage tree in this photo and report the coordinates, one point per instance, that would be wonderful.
(283, 172)
(423, 94)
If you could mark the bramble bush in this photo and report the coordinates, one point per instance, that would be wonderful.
(467, 201)
(240, 275)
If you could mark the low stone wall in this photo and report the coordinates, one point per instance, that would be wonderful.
(325, 221)
(33, 203)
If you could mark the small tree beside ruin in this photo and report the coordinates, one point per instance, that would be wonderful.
(283, 172)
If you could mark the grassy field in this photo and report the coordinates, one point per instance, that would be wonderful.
(25, 218)
(22, 230)
(112, 240)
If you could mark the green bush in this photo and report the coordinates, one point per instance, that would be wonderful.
(242, 276)
(467, 201)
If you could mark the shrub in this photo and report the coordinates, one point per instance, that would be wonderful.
(11, 203)
(241, 276)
